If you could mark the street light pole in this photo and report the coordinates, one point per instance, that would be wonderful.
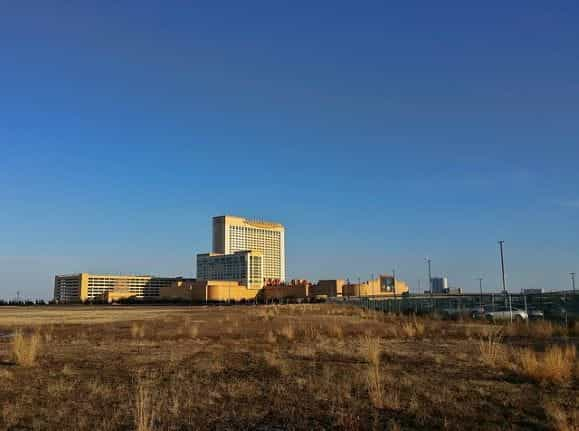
(501, 243)
(480, 280)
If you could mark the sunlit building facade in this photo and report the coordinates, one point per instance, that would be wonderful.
(88, 287)
(233, 234)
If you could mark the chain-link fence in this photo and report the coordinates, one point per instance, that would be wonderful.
(562, 306)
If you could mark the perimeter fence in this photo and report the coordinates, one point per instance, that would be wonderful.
(561, 306)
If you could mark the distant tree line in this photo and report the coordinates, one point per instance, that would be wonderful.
(24, 302)
(153, 301)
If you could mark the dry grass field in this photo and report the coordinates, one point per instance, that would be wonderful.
(301, 367)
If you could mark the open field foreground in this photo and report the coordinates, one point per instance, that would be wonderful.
(301, 367)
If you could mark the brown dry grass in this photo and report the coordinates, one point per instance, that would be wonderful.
(491, 349)
(278, 367)
(559, 420)
(145, 408)
(556, 365)
(193, 331)
(413, 328)
(373, 351)
(288, 331)
(138, 330)
(25, 348)
(540, 329)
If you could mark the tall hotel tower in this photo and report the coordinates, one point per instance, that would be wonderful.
(233, 234)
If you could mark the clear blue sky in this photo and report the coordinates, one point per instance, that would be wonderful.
(378, 132)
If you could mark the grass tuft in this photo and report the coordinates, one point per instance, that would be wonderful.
(138, 330)
(557, 417)
(288, 331)
(373, 350)
(25, 349)
(144, 408)
(193, 331)
(492, 351)
(554, 366)
(413, 328)
(270, 337)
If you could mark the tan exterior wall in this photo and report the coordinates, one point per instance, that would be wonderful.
(211, 291)
(83, 286)
(373, 288)
(220, 292)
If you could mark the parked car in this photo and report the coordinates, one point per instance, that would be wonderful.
(456, 313)
(505, 314)
(478, 313)
(536, 315)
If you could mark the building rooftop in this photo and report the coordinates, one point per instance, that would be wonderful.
(78, 274)
(254, 222)
(235, 252)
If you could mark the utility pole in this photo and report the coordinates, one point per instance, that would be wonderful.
(394, 290)
(507, 296)
(501, 243)
(429, 262)
(480, 280)
(572, 274)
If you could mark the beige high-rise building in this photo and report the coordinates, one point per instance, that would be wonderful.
(232, 234)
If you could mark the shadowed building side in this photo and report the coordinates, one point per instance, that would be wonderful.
(294, 290)
(245, 267)
(328, 288)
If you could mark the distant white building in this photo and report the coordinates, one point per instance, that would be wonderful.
(439, 285)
